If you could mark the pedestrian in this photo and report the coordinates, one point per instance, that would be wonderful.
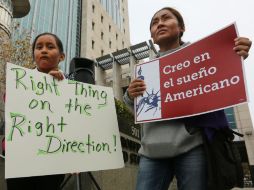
(47, 51)
(174, 148)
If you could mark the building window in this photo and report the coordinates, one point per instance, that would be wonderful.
(93, 44)
(93, 24)
(109, 28)
(101, 19)
(93, 8)
(116, 36)
(102, 34)
(102, 52)
(123, 43)
(124, 30)
(110, 44)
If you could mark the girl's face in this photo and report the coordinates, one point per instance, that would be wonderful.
(47, 54)
(165, 27)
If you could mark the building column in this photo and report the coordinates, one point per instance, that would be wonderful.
(100, 76)
(117, 70)
(133, 62)
(152, 55)
(152, 50)
(252, 174)
(245, 126)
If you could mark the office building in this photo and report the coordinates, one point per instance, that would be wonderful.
(105, 27)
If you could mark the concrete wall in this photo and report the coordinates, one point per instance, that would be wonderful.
(244, 124)
(88, 34)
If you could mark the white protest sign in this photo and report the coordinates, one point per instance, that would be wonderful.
(55, 127)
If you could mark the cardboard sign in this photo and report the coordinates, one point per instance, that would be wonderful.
(55, 127)
(199, 78)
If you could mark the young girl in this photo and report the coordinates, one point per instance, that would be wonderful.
(168, 148)
(47, 51)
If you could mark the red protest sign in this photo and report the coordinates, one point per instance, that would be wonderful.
(202, 77)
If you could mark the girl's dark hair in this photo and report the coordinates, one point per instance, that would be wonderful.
(58, 41)
(177, 15)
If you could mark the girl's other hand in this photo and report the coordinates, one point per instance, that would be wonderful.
(56, 74)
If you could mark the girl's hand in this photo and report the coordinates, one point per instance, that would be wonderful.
(56, 74)
(242, 46)
(136, 88)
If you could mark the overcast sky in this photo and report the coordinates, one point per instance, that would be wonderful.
(202, 18)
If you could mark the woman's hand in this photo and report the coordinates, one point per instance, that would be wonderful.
(242, 46)
(136, 88)
(56, 74)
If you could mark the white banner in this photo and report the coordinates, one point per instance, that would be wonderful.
(55, 127)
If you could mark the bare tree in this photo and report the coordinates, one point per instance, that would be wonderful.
(16, 50)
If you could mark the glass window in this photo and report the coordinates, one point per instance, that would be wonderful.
(113, 9)
(104, 3)
(230, 117)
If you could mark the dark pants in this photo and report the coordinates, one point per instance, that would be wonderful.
(48, 182)
(189, 169)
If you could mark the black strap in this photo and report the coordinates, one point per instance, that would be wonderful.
(236, 133)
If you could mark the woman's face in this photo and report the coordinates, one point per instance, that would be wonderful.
(47, 54)
(165, 27)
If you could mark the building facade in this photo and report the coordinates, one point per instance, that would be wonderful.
(12, 9)
(61, 17)
(105, 27)
(245, 126)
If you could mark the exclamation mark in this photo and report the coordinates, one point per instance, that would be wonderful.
(114, 138)
(29, 127)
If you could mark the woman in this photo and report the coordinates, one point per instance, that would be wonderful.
(47, 51)
(174, 148)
